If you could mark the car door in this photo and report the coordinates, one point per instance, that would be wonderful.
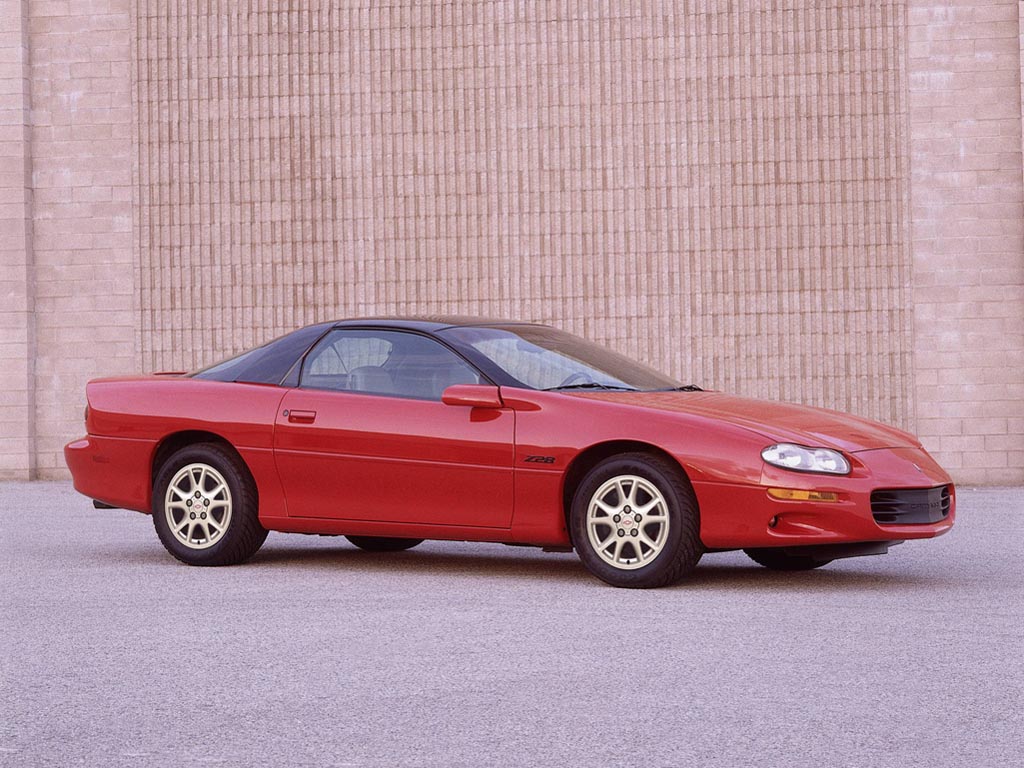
(366, 437)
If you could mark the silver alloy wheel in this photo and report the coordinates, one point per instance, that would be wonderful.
(627, 522)
(198, 506)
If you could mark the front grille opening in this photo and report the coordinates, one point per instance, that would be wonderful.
(911, 506)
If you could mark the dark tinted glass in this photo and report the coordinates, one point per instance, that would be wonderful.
(268, 364)
(384, 362)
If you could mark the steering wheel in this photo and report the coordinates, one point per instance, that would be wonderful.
(577, 377)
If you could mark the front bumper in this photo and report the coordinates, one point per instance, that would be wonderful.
(735, 517)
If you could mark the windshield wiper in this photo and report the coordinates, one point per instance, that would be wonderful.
(591, 385)
(684, 388)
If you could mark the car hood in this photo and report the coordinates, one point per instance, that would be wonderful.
(779, 422)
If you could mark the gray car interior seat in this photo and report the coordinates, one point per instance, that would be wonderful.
(370, 378)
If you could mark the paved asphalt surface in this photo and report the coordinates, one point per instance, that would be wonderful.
(452, 654)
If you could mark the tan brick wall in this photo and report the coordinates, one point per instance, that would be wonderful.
(17, 353)
(82, 176)
(722, 194)
(968, 235)
(815, 201)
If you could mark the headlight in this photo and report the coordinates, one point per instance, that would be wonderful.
(803, 459)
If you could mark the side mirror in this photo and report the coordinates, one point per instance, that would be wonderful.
(473, 395)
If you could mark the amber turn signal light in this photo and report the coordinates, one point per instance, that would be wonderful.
(789, 494)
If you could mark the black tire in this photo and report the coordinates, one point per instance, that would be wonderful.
(242, 534)
(382, 543)
(777, 559)
(681, 548)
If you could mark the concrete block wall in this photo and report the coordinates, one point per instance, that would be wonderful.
(81, 267)
(967, 215)
(721, 194)
(17, 342)
(816, 201)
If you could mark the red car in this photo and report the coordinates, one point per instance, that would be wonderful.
(394, 431)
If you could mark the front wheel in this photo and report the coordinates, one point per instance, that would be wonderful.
(205, 507)
(635, 523)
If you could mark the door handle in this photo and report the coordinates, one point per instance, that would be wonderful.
(301, 417)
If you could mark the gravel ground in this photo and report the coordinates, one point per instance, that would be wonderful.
(452, 654)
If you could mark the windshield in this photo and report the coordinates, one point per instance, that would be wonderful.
(539, 357)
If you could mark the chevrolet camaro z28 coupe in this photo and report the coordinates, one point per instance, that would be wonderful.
(392, 431)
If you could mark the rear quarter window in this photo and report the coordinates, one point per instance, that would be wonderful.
(268, 364)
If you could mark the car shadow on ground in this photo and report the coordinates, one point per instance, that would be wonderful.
(490, 562)
(496, 562)
(836, 576)
(527, 564)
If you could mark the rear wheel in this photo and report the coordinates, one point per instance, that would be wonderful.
(205, 507)
(382, 543)
(635, 523)
(779, 560)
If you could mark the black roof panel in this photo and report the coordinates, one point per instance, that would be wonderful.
(428, 323)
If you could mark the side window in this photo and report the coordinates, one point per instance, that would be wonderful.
(341, 353)
(384, 363)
